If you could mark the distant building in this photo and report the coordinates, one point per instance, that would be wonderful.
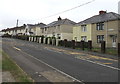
(15, 31)
(34, 30)
(2, 32)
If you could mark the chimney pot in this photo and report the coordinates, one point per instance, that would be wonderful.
(102, 12)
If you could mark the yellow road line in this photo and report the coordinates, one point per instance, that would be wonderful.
(107, 63)
(104, 58)
(78, 53)
(17, 48)
(103, 62)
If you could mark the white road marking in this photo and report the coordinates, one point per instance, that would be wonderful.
(62, 71)
(99, 64)
(74, 79)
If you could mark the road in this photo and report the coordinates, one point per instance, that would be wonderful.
(40, 59)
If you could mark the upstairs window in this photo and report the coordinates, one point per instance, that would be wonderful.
(84, 28)
(100, 38)
(100, 26)
(42, 30)
(45, 29)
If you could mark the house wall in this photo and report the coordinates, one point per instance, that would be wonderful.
(33, 29)
(7, 32)
(110, 28)
(42, 33)
(22, 31)
(119, 31)
(38, 31)
(67, 36)
(53, 29)
(27, 30)
(77, 32)
(10, 32)
(65, 31)
(66, 28)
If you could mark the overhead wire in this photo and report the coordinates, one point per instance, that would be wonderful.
(69, 9)
(62, 11)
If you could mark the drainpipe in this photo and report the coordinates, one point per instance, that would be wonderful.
(106, 33)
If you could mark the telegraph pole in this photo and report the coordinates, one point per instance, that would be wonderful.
(17, 23)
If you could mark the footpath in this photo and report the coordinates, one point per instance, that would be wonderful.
(78, 51)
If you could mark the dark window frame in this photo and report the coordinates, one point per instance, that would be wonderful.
(100, 26)
(100, 38)
(84, 28)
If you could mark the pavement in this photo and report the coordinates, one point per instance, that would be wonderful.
(7, 77)
(57, 64)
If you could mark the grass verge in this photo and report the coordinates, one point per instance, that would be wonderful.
(108, 51)
(9, 65)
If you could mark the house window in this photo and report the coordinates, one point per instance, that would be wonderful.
(45, 29)
(114, 39)
(84, 28)
(75, 38)
(100, 26)
(53, 34)
(42, 30)
(84, 38)
(100, 38)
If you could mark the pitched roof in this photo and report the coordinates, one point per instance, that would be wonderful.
(41, 24)
(36, 25)
(101, 18)
(15, 28)
(60, 22)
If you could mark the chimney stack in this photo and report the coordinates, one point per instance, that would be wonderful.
(59, 18)
(102, 12)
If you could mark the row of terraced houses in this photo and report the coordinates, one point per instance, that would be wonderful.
(102, 27)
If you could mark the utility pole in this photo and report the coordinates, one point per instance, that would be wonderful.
(17, 23)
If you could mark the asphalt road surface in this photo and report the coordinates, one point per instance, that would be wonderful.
(43, 62)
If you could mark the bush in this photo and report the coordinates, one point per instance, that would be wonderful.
(6, 35)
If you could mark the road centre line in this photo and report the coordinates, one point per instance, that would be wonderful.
(74, 79)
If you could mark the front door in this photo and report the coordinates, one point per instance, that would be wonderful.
(114, 41)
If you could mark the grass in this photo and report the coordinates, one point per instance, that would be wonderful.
(9, 65)
(109, 51)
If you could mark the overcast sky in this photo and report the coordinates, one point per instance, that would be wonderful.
(34, 11)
